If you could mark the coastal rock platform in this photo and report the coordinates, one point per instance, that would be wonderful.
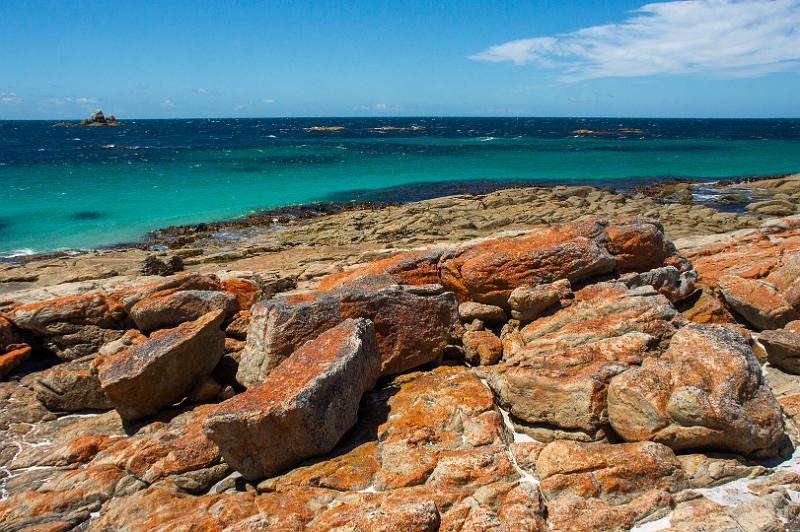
(603, 372)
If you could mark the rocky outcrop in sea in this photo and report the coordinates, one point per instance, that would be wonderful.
(588, 375)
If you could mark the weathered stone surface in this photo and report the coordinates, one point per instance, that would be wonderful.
(469, 311)
(305, 405)
(8, 334)
(482, 348)
(160, 371)
(237, 328)
(756, 301)
(566, 390)
(614, 473)
(15, 355)
(411, 329)
(705, 391)
(71, 387)
(73, 326)
(412, 268)
(529, 302)
(174, 308)
(431, 414)
(783, 349)
(701, 515)
(708, 308)
(489, 271)
(674, 284)
(558, 379)
(703, 471)
(576, 514)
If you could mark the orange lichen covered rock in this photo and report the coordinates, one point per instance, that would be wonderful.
(158, 372)
(705, 391)
(412, 268)
(756, 301)
(303, 408)
(71, 387)
(482, 348)
(411, 329)
(15, 355)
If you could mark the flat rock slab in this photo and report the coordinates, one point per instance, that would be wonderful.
(783, 349)
(706, 391)
(160, 371)
(305, 405)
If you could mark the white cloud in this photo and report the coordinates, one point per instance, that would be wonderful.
(201, 90)
(9, 97)
(168, 103)
(80, 99)
(268, 101)
(728, 38)
(239, 107)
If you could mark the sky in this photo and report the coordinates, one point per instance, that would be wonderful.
(135, 59)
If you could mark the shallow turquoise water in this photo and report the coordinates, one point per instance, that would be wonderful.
(72, 187)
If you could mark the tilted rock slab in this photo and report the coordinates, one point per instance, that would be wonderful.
(756, 301)
(303, 408)
(783, 349)
(411, 329)
(705, 391)
(160, 371)
(71, 387)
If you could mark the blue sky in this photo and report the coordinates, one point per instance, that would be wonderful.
(707, 58)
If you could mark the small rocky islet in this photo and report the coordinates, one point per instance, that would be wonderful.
(98, 118)
(533, 359)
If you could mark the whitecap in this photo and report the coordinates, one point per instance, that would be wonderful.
(24, 252)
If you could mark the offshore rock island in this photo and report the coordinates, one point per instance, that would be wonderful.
(563, 358)
(97, 119)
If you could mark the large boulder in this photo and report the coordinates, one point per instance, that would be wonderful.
(555, 384)
(71, 387)
(156, 373)
(756, 301)
(173, 308)
(607, 487)
(705, 391)
(73, 326)
(412, 268)
(305, 405)
(783, 349)
(489, 271)
(411, 329)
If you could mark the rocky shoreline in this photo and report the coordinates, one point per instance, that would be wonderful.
(566, 358)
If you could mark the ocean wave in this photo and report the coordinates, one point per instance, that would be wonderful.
(486, 139)
(24, 252)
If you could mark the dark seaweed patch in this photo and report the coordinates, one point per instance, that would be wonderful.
(87, 215)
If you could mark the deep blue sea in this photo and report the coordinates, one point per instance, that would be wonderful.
(84, 187)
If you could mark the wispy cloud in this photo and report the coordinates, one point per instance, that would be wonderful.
(168, 103)
(10, 97)
(79, 99)
(727, 38)
(201, 90)
(240, 107)
(268, 101)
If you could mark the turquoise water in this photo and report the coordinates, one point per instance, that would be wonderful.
(75, 187)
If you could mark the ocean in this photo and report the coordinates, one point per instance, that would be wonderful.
(87, 187)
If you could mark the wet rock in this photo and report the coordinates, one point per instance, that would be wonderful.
(705, 391)
(757, 302)
(71, 387)
(529, 302)
(305, 405)
(470, 311)
(412, 330)
(783, 349)
(171, 309)
(482, 348)
(160, 371)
